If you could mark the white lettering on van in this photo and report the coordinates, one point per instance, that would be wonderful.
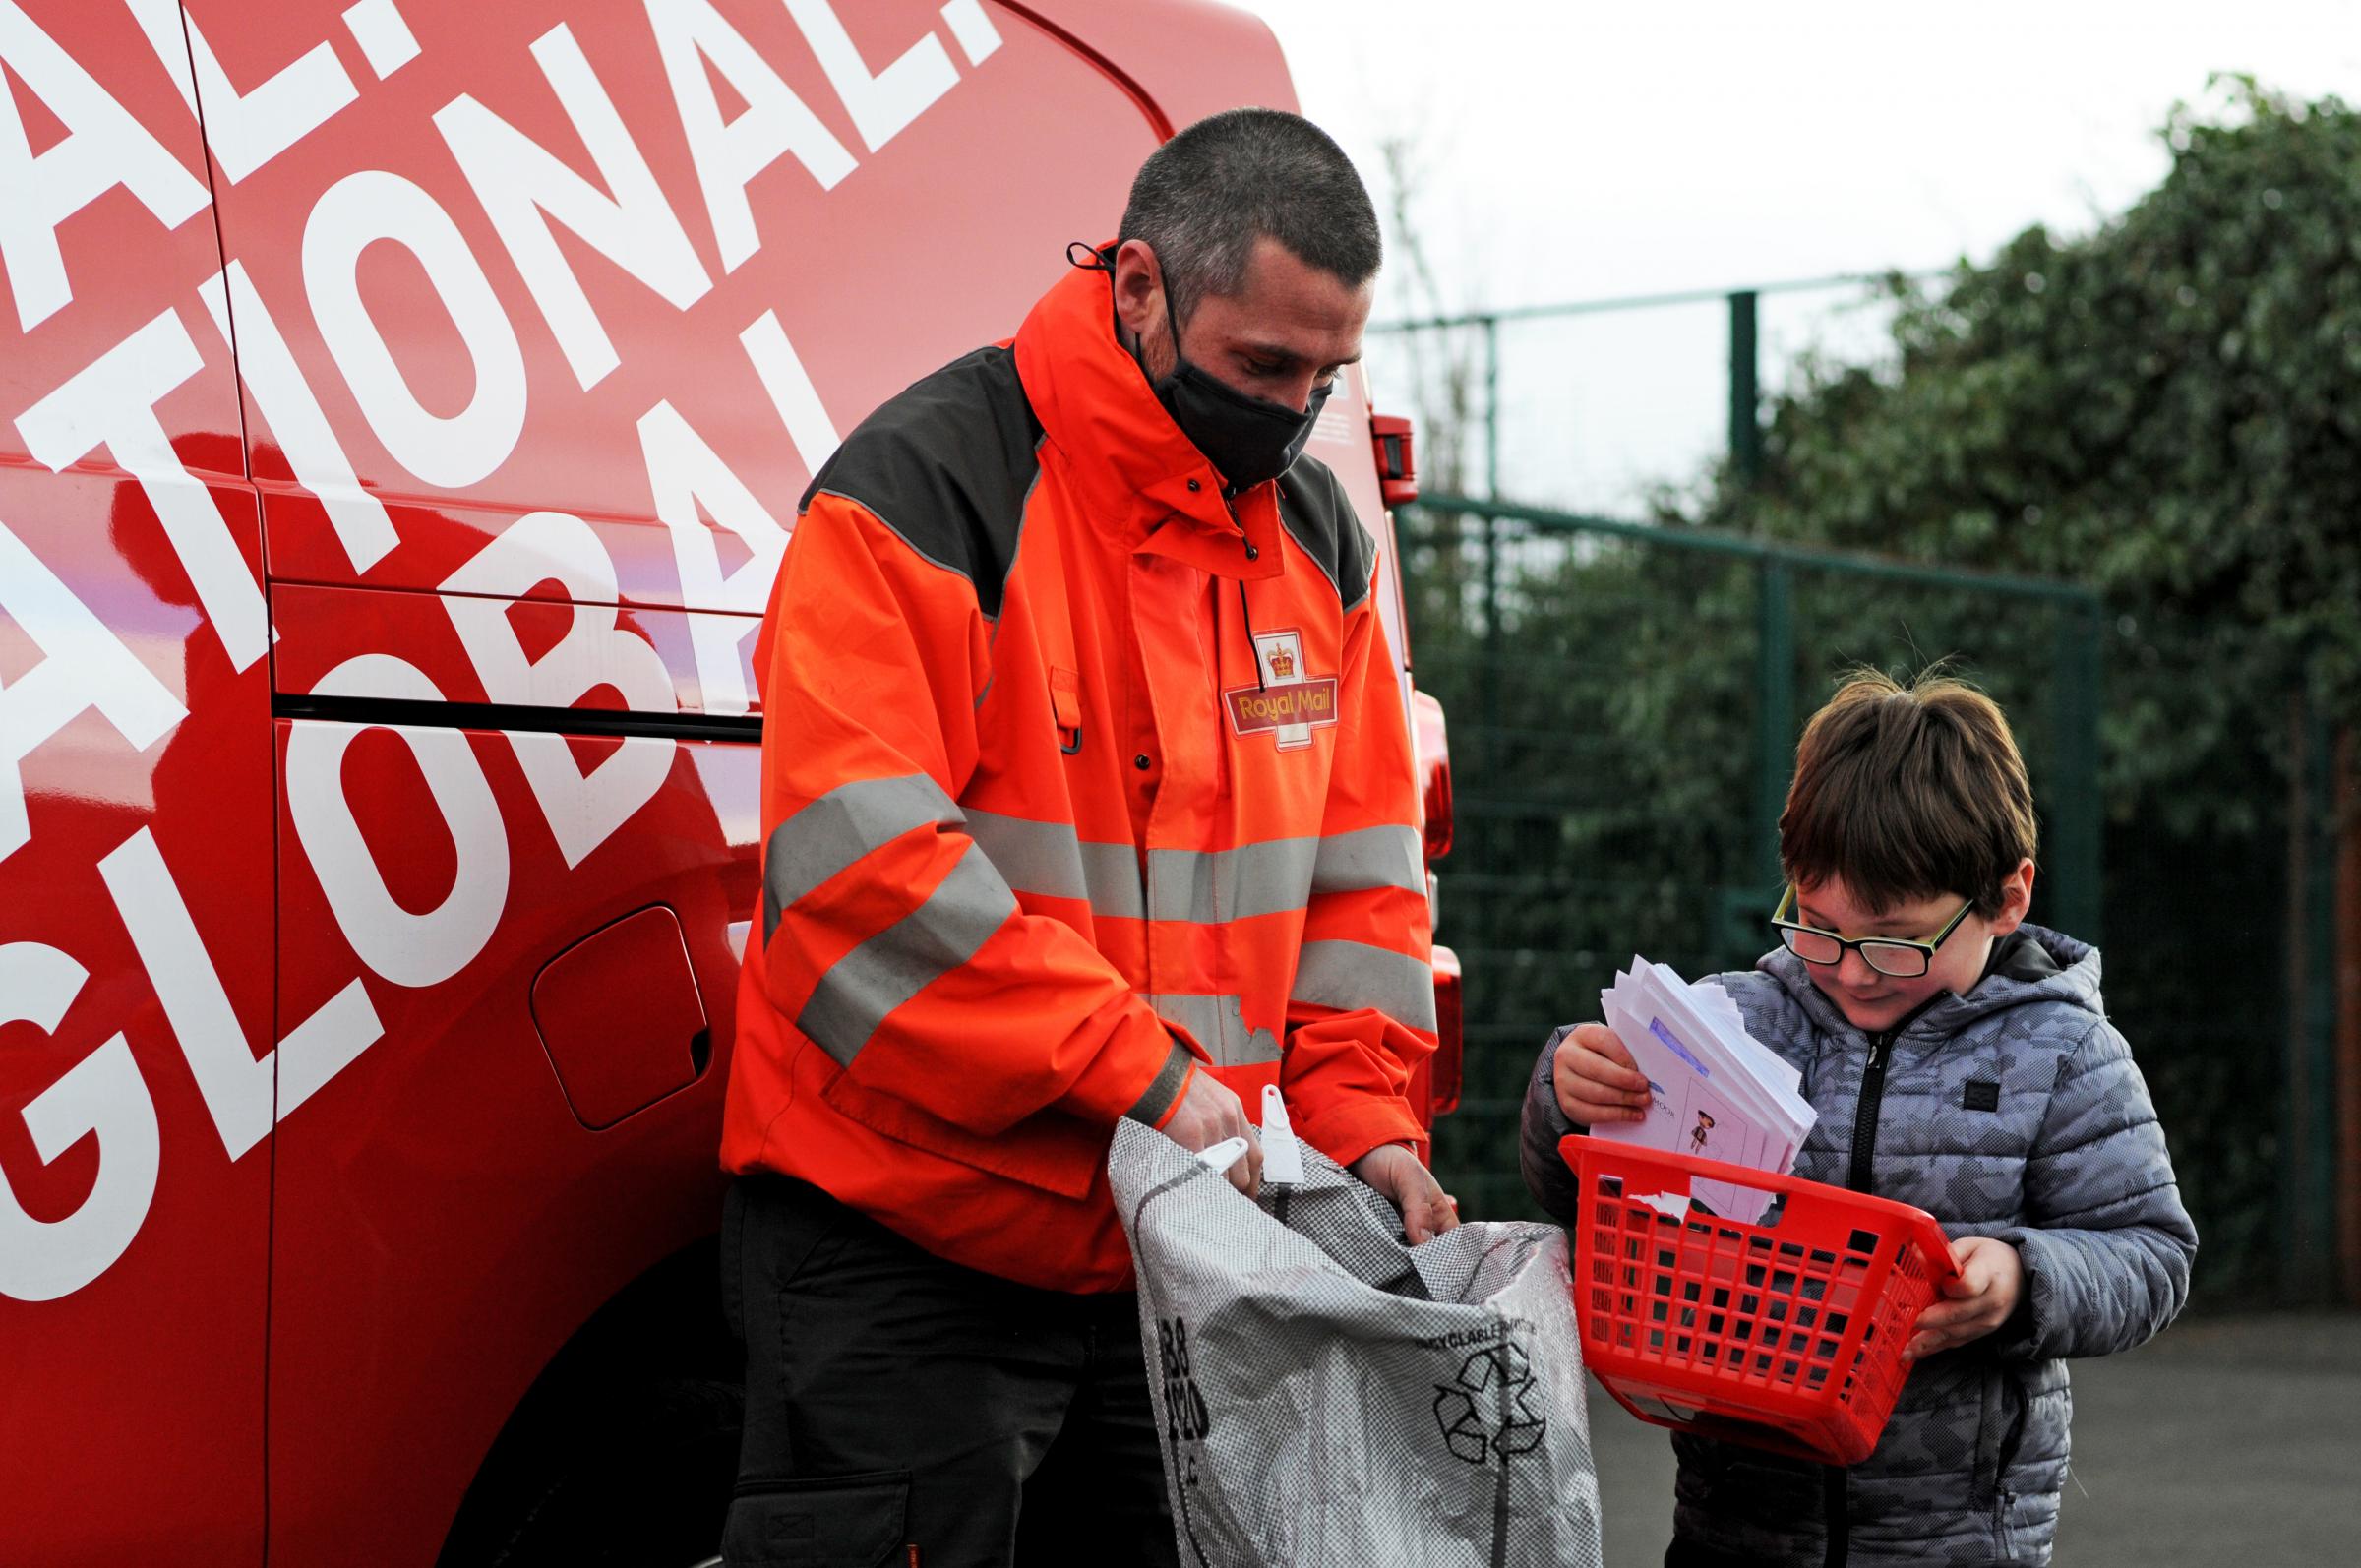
(101, 1096)
(881, 106)
(409, 950)
(584, 810)
(84, 666)
(296, 418)
(522, 187)
(791, 391)
(111, 403)
(237, 1086)
(683, 473)
(386, 39)
(246, 130)
(690, 34)
(103, 147)
(451, 451)
(978, 37)
(160, 21)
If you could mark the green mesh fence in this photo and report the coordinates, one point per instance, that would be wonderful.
(1624, 703)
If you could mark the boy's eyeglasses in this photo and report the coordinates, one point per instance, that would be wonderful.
(1892, 956)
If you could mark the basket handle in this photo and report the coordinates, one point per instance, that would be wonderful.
(1637, 1165)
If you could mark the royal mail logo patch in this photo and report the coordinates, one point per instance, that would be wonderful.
(1289, 704)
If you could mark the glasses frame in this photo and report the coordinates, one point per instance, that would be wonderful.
(1862, 945)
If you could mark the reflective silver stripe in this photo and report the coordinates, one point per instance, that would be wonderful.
(1210, 886)
(1348, 975)
(1370, 857)
(1219, 1024)
(1050, 860)
(1205, 887)
(863, 986)
(826, 835)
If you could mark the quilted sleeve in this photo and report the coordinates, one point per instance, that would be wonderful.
(2107, 1245)
(1546, 1177)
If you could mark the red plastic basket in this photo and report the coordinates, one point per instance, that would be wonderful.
(1785, 1336)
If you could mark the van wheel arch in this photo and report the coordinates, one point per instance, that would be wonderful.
(624, 1448)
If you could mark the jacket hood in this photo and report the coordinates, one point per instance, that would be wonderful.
(2032, 964)
(1124, 452)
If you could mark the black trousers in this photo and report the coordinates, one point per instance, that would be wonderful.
(903, 1409)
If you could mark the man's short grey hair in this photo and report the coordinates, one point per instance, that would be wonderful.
(1206, 197)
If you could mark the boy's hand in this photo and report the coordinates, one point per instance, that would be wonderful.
(1428, 1211)
(1596, 1080)
(1991, 1279)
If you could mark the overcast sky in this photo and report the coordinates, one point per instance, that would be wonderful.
(1574, 151)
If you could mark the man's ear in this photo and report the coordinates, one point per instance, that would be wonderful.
(2016, 898)
(1138, 287)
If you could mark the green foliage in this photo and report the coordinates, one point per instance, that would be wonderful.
(2167, 409)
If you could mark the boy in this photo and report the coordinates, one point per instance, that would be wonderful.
(1960, 1060)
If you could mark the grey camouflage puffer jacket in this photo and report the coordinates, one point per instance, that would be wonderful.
(2015, 1112)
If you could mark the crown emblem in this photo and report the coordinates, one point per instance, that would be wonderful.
(1283, 663)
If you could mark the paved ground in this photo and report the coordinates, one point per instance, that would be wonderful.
(2226, 1443)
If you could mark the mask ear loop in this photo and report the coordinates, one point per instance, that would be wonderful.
(1092, 260)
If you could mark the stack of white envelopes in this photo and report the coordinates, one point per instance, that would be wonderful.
(1713, 1089)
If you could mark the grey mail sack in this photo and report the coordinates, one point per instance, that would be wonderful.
(1327, 1395)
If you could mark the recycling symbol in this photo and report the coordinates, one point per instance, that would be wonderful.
(1487, 1409)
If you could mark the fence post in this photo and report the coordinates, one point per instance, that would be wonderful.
(2344, 827)
(2309, 1225)
(1745, 427)
(1492, 408)
(1491, 750)
(2076, 809)
(1774, 709)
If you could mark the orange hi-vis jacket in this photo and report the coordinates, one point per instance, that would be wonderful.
(1040, 839)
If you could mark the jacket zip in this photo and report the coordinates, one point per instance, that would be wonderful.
(1253, 649)
(1865, 1151)
(1864, 1116)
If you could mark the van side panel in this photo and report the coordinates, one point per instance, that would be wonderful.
(543, 315)
(1188, 58)
(818, 280)
(138, 1045)
(542, 340)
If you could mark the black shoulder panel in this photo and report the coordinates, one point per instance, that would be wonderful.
(1314, 507)
(946, 463)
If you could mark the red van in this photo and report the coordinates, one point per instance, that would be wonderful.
(403, 406)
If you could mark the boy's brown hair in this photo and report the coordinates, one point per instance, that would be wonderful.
(1907, 792)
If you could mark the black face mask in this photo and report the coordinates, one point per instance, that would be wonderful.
(1247, 439)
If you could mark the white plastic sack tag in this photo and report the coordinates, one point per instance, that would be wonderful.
(1282, 1158)
(1326, 1394)
(1223, 1154)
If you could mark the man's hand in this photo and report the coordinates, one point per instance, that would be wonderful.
(1428, 1211)
(1991, 1279)
(1596, 1080)
(1209, 1111)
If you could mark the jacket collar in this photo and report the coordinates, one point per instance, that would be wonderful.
(1132, 464)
